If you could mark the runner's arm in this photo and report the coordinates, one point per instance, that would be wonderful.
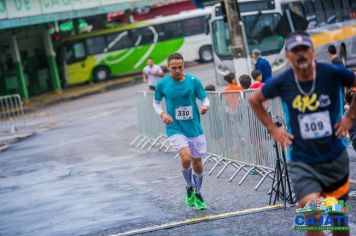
(280, 135)
(256, 102)
(206, 102)
(157, 106)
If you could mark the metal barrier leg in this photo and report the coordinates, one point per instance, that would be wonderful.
(142, 140)
(216, 165)
(206, 159)
(263, 179)
(236, 172)
(222, 170)
(163, 144)
(245, 176)
(176, 156)
(135, 140)
(154, 143)
(149, 140)
(167, 148)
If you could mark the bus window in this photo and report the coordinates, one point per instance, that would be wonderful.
(119, 41)
(310, 15)
(319, 12)
(194, 26)
(346, 9)
(300, 21)
(172, 30)
(353, 9)
(338, 10)
(75, 52)
(330, 12)
(262, 33)
(144, 35)
(96, 45)
(221, 39)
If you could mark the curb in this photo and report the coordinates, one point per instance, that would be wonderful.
(80, 93)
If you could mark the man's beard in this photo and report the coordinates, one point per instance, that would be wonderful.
(302, 63)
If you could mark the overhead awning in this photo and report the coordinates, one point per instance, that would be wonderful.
(16, 13)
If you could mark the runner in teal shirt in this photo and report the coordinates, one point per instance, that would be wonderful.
(181, 104)
(183, 124)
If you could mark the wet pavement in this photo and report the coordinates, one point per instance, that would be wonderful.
(81, 177)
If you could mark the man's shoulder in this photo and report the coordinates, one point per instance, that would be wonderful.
(288, 74)
(191, 77)
(163, 81)
(329, 69)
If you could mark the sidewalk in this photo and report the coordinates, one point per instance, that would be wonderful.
(68, 94)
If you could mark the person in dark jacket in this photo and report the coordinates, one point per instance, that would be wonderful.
(335, 60)
(262, 65)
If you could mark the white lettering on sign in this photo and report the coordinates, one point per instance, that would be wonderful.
(50, 6)
(114, 1)
(82, 4)
(3, 11)
(22, 8)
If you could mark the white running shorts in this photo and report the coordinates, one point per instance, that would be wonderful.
(197, 145)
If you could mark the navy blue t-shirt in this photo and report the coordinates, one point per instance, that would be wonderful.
(311, 119)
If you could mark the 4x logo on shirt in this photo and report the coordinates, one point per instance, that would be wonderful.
(301, 103)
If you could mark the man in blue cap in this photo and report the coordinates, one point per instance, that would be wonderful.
(311, 94)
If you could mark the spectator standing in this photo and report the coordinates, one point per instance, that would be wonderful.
(232, 83)
(257, 76)
(335, 60)
(262, 65)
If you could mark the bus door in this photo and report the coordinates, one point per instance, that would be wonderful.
(75, 63)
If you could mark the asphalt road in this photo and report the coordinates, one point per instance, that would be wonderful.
(81, 177)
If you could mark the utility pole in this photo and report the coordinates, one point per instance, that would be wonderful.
(242, 61)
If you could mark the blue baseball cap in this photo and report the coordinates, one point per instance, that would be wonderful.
(298, 39)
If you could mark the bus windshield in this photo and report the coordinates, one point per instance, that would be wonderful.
(261, 33)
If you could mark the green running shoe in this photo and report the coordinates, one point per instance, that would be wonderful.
(199, 202)
(190, 197)
(253, 172)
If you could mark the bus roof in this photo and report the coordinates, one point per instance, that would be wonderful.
(158, 20)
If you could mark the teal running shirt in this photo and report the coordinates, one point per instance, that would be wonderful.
(181, 104)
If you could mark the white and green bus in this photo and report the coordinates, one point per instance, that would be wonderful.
(267, 22)
(123, 50)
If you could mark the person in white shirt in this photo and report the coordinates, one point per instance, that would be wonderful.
(152, 74)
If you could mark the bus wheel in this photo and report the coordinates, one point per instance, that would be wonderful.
(205, 54)
(342, 54)
(101, 73)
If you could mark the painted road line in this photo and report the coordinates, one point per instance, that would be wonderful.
(352, 181)
(199, 220)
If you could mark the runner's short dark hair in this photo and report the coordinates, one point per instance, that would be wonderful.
(245, 81)
(229, 77)
(175, 56)
(255, 74)
(332, 49)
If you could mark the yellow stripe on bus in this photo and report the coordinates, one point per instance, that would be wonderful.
(331, 36)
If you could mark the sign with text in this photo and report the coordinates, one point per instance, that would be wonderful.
(22, 8)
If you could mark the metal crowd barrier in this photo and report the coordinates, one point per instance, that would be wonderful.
(234, 134)
(11, 114)
(150, 126)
